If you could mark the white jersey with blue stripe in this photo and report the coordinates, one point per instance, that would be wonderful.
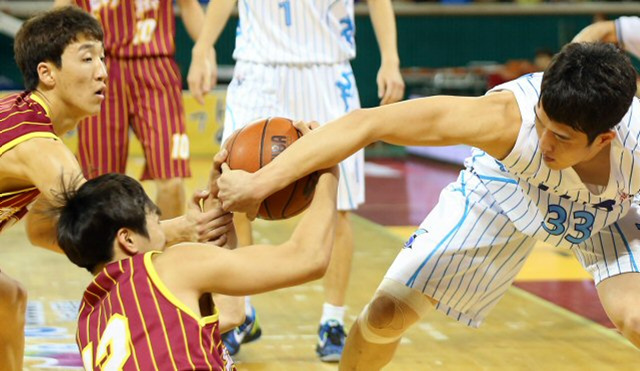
(555, 206)
(295, 31)
(628, 33)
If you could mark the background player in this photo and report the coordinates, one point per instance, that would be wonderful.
(556, 160)
(60, 55)
(144, 93)
(142, 308)
(293, 61)
(624, 31)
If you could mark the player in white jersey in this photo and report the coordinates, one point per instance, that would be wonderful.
(556, 159)
(292, 60)
(624, 31)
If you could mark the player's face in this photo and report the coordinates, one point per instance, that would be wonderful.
(80, 80)
(561, 145)
(156, 240)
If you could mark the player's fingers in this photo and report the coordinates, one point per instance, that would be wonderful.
(225, 167)
(212, 234)
(302, 127)
(381, 86)
(220, 241)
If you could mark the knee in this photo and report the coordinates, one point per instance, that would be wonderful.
(13, 301)
(628, 323)
(385, 312)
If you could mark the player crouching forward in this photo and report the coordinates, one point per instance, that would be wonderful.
(141, 310)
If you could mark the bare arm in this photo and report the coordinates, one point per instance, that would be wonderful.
(202, 74)
(490, 122)
(192, 17)
(59, 3)
(599, 31)
(257, 268)
(389, 80)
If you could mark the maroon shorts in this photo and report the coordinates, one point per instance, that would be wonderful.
(144, 94)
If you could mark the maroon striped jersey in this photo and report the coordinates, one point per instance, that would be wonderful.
(129, 320)
(23, 116)
(134, 28)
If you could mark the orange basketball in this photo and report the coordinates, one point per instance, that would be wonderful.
(257, 144)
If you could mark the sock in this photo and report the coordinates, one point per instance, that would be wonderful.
(248, 309)
(332, 312)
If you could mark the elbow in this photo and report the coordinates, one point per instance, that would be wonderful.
(321, 262)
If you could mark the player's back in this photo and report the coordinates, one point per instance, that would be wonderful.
(295, 31)
(131, 320)
(22, 118)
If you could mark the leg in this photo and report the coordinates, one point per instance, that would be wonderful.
(170, 197)
(620, 299)
(158, 120)
(103, 139)
(13, 304)
(375, 336)
(336, 279)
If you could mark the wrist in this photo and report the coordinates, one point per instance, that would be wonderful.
(390, 61)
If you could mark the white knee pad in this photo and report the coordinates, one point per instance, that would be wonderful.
(415, 300)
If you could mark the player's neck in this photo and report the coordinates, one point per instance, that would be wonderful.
(597, 169)
(62, 118)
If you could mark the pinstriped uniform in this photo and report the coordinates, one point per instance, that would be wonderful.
(628, 33)
(22, 117)
(293, 61)
(470, 247)
(146, 328)
(144, 92)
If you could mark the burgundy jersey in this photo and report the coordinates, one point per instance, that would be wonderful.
(129, 320)
(23, 116)
(135, 28)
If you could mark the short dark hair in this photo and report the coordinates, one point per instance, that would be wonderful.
(588, 86)
(44, 38)
(91, 215)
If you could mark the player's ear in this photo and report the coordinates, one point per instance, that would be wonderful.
(126, 241)
(46, 74)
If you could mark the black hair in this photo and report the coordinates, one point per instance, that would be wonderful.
(44, 37)
(588, 86)
(90, 216)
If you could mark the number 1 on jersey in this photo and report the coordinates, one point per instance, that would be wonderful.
(286, 6)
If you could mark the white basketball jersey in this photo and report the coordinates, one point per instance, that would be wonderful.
(295, 31)
(554, 205)
(628, 32)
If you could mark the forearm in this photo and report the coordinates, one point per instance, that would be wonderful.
(59, 3)
(176, 231)
(192, 17)
(599, 31)
(324, 147)
(384, 25)
(215, 18)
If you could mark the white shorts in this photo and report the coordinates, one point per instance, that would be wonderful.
(319, 93)
(467, 253)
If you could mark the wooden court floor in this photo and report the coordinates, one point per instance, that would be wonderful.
(524, 332)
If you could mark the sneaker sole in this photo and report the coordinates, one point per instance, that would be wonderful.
(331, 358)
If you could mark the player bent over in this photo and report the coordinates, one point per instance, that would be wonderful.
(141, 310)
(556, 159)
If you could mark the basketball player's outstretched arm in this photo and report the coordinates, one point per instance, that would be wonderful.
(258, 268)
(489, 122)
(56, 164)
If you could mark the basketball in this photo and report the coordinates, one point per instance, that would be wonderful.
(257, 144)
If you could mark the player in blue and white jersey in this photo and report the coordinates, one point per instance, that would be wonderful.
(292, 60)
(556, 159)
(625, 31)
